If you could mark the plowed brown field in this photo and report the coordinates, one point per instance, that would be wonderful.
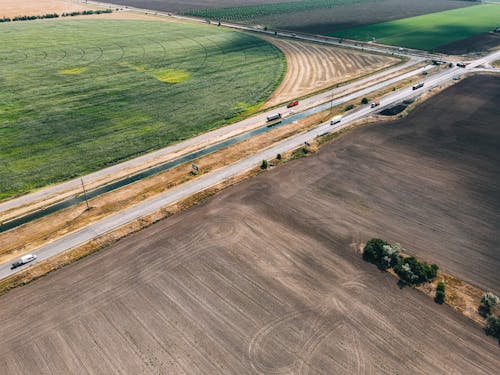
(312, 67)
(265, 278)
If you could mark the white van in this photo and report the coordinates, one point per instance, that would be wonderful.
(336, 120)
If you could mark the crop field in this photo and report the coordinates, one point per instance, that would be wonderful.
(79, 95)
(326, 16)
(429, 32)
(313, 67)
(183, 5)
(265, 277)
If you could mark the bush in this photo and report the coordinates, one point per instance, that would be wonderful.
(364, 101)
(440, 293)
(349, 107)
(264, 164)
(493, 326)
(412, 271)
(440, 296)
(488, 300)
(278, 157)
(373, 250)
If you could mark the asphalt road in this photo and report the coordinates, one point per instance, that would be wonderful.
(146, 207)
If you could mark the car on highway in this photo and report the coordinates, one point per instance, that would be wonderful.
(292, 104)
(276, 116)
(336, 120)
(418, 85)
(23, 260)
(374, 104)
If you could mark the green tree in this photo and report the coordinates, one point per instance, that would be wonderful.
(440, 293)
(493, 326)
(364, 101)
(264, 164)
(488, 300)
(373, 250)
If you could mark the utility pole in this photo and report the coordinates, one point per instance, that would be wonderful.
(85, 194)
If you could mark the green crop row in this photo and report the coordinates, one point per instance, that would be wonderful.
(79, 95)
(247, 13)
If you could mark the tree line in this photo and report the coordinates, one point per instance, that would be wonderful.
(55, 15)
(414, 272)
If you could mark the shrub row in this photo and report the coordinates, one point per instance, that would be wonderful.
(409, 270)
(54, 15)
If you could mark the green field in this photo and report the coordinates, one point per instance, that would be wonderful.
(83, 94)
(251, 12)
(430, 31)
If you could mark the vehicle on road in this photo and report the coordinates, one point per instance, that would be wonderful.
(23, 260)
(418, 85)
(374, 104)
(336, 120)
(276, 116)
(292, 104)
(461, 65)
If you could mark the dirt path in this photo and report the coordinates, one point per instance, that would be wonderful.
(313, 67)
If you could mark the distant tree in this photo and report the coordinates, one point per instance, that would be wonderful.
(349, 107)
(364, 101)
(278, 157)
(264, 164)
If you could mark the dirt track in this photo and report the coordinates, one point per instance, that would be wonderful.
(265, 278)
(312, 67)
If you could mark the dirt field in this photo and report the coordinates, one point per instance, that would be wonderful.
(312, 67)
(265, 277)
(478, 43)
(12, 8)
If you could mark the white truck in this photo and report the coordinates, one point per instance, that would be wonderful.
(276, 116)
(23, 260)
(336, 120)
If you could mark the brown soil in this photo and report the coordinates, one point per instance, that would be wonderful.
(12, 8)
(313, 67)
(265, 277)
(478, 43)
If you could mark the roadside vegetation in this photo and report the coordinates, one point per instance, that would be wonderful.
(80, 95)
(429, 32)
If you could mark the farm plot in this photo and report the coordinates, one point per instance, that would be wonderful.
(430, 32)
(327, 16)
(265, 278)
(183, 5)
(312, 67)
(82, 94)
(13, 8)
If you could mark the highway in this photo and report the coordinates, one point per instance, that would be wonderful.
(69, 188)
(151, 205)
